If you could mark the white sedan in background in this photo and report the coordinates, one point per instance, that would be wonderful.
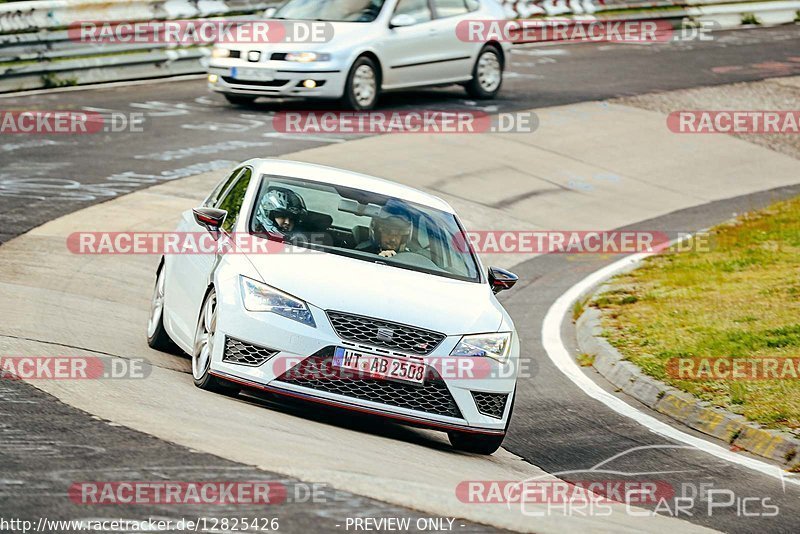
(376, 45)
(371, 303)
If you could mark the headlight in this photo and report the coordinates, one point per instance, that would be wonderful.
(307, 57)
(260, 297)
(497, 346)
(220, 52)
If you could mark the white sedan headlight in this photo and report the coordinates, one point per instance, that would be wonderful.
(496, 346)
(220, 52)
(307, 57)
(260, 297)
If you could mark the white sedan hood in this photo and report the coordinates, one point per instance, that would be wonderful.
(334, 282)
(342, 35)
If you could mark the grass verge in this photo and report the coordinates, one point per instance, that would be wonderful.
(741, 299)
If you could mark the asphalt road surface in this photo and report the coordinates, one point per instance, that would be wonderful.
(186, 130)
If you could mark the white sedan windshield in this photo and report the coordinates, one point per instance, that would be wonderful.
(331, 10)
(363, 225)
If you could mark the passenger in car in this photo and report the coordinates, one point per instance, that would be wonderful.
(280, 212)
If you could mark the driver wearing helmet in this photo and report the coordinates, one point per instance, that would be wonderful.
(281, 211)
(389, 232)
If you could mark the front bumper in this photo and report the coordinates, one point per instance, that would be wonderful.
(288, 79)
(444, 402)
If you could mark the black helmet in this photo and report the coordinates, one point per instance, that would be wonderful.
(393, 217)
(280, 202)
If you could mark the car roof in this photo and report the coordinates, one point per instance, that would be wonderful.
(334, 176)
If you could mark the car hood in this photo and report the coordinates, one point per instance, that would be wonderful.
(334, 282)
(342, 34)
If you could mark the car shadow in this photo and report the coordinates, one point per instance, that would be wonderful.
(430, 98)
(354, 421)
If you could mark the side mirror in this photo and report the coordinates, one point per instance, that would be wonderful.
(399, 21)
(500, 279)
(209, 218)
(269, 12)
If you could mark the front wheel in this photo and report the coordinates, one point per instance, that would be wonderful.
(487, 75)
(203, 348)
(475, 443)
(362, 86)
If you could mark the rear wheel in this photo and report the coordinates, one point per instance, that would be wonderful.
(363, 85)
(487, 74)
(239, 100)
(157, 337)
(203, 349)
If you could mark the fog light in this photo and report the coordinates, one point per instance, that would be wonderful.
(212, 78)
(309, 84)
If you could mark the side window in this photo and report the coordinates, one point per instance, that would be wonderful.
(449, 8)
(213, 198)
(418, 9)
(232, 201)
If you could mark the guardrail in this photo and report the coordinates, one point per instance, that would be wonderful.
(36, 50)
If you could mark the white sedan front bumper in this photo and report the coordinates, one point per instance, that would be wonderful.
(277, 78)
(278, 344)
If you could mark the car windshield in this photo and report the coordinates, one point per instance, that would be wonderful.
(362, 225)
(330, 10)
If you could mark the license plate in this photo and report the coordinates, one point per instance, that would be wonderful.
(260, 75)
(379, 366)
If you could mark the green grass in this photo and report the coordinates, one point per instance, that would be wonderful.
(585, 360)
(740, 299)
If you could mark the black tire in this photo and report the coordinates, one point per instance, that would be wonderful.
(478, 86)
(157, 337)
(200, 370)
(239, 100)
(475, 443)
(481, 443)
(350, 100)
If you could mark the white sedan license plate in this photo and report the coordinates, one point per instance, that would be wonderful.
(379, 366)
(260, 75)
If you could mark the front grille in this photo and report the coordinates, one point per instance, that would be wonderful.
(317, 372)
(244, 353)
(271, 83)
(375, 332)
(491, 404)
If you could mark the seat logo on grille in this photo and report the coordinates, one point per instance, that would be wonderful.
(385, 334)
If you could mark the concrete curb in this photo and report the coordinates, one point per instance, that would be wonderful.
(678, 405)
